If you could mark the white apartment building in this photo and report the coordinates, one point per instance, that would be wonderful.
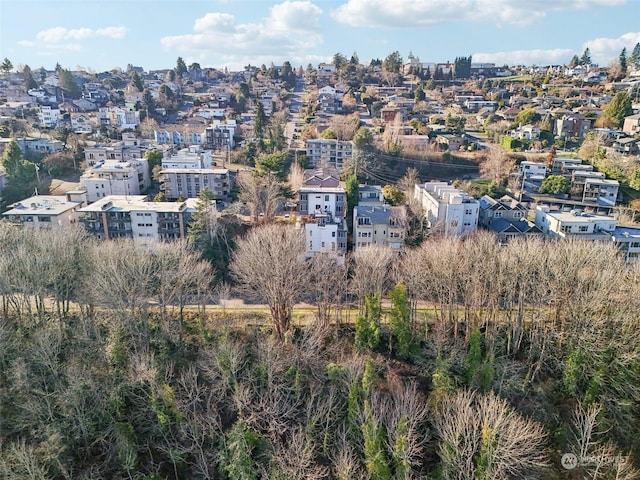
(560, 224)
(133, 217)
(448, 210)
(124, 119)
(628, 241)
(189, 182)
(129, 149)
(113, 177)
(328, 153)
(193, 157)
(49, 116)
(600, 190)
(379, 225)
(46, 211)
(322, 193)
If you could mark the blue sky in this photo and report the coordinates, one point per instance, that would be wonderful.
(104, 34)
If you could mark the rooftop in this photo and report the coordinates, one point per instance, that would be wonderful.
(42, 205)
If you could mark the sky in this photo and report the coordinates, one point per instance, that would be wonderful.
(104, 34)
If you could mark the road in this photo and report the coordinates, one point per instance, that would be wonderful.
(295, 105)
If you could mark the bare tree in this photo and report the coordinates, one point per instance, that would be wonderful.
(269, 265)
(344, 126)
(482, 437)
(497, 165)
(371, 266)
(328, 282)
(262, 194)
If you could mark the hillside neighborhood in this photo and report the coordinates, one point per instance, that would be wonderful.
(399, 269)
(133, 143)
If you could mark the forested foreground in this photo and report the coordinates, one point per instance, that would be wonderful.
(490, 362)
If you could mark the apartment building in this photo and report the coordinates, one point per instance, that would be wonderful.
(189, 182)
(322, 192)
(48, 116)
(46, 211)
(325, 234)
(328, 153)
(561, 224)
(193, 157)
(448, 210)
(113, 177)
(133, 217)
(130, 148)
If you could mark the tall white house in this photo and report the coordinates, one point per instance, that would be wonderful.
(448, 210)
(576, 224)
(49, 116)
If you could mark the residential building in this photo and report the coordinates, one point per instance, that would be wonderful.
(133, 217)
(379, 225)
(48, 116)
(561, 224)
(631, 125)
(46, 211)
(189, 182)
(129, 149)
(370, 195)
(325, 234)
(600, 190)
(194, 157)
(81, 123)
(328, 153)
(448, 210)
(322, 192)
(572, 125)
(628, 241)
(506, 217)
(627, 145)
(449, 142)
(220, 134)
(533, 170)
(526, 132)
(113, 177)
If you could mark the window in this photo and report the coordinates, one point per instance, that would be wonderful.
(326, 198)
(333, 234)
(583, 228)
(565, 228)
(497, 214)
(468, 212)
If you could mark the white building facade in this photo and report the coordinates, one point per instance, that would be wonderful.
(448, 210)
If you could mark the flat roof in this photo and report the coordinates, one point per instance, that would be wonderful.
(581, 218)
(42, 205)
(217, 171)
(132, 203)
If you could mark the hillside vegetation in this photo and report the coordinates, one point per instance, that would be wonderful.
(112, 366)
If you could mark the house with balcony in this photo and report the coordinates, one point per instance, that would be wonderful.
(526, 132)
(379, 225)
(370, 195)
(572, 125)
(322, 192)
(324, 234)
(193, 157)
(448, 210)
(600, 190)
(631, 125)
(133, 217)
(48, 116)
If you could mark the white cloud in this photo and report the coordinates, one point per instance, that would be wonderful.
(61, 34)
(291, 29)
(603, 50)
(420, 13)
(557, 56)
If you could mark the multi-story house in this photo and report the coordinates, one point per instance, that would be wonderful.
(130, 149)
(46, 211)
(189, 182)
(133, 217)
(600, 190)
(573, 126)
(49, 116)
(506, 217)
(370, 195)
(533, 170)
(631, 124)
(325, 234)
(220, 134)
(322, 192)
(379, 225)
(448, 210)
(328, 153)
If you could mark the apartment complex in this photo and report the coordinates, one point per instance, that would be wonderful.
(328, 153)
(133, 217)
(189, 182)
(116, 177)
(379, 225)
(47, 211)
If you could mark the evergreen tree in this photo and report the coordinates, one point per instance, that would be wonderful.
(618, 108)
(623, 62)
(29, 81)
(634, 59)
(68, 84)
(6, 65)
(586, 57)
(135, 81)
(181, 67)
